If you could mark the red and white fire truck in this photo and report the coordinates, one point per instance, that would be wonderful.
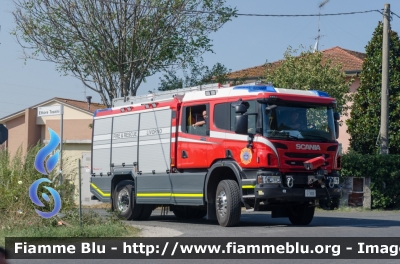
(212, 150)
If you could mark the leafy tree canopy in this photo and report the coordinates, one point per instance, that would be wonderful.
(198, 75)
(310, 71)
(364, 124)
(113, 45)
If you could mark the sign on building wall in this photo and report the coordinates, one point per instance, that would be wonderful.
(50, 110)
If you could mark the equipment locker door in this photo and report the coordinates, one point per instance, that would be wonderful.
(154, 159)
(100, 184)
(193, 141)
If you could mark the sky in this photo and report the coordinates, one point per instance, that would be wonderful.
(244, 42)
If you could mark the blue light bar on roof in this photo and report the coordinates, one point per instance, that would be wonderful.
(320, 93)
(101, 110)
(256, 88)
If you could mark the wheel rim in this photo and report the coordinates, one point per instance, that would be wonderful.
(123, 200)
(222, 204)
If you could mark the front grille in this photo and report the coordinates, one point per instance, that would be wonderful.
(294, 162)
(304, 155)
(299, 163)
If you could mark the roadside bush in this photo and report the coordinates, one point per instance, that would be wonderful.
(384, 171)
(18, 217)
(16, 176)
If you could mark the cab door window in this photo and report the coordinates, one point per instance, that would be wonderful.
(196, 120)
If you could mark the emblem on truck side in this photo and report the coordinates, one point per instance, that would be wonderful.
(245, 156)
(308, 147)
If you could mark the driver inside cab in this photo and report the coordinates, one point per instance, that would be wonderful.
(292, 121)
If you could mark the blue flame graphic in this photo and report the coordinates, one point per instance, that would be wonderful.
(45, 151)
(35, 199)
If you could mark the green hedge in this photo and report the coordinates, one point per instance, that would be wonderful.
(384, 171)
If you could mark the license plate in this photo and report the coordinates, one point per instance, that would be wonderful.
(311, 193)
(336, 180)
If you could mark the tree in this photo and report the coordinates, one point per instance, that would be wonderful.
(364, 123)
(310, 71)
(199, 75)
(113, 45)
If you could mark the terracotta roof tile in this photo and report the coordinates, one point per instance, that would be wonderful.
(350, 60)
(81, 104)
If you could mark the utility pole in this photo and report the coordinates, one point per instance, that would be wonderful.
(385, 83)
(61, 142)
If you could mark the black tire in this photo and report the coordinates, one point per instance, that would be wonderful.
(146, 212)
(201, 213)
(189, 212)
(329, 204)
(228, 204)
(301, 214)
(124, 201)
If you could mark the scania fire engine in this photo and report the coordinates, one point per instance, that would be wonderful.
(259, 148)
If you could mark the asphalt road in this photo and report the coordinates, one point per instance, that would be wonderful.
(260, 224)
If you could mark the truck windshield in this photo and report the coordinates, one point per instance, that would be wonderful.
(299, 123)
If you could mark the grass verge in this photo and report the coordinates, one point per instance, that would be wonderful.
(93, 225)
(17, 211)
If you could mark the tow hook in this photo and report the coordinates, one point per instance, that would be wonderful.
(289, 181)
(331, 184)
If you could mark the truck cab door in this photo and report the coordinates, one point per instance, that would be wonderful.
(193, 141)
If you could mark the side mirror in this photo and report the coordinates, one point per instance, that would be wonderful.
(269, 108)
(241, 124)
(240, 109)
(336, 116)
(337, 129)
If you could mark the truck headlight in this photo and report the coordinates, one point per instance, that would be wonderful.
(269, 179)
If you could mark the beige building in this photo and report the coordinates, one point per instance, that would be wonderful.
(351, 62)
(26, 129)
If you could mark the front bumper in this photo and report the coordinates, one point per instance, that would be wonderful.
(273, 191)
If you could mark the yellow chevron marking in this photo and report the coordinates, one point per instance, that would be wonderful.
(99, 191)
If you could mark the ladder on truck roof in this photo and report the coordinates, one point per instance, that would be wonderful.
(164, 95)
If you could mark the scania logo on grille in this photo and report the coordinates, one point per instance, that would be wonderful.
(308, 147)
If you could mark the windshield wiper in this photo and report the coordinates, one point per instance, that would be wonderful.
(287, 135)
(290, 136)
(316, 136)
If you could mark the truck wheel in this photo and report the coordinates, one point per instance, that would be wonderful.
(146, 212)
(228, 206)
(301, 214)
(189, 212)
(124, 201)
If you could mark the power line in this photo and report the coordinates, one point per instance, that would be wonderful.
(33, 87)
(308, 15)
(393, 13)
(259, 15)
(12, 103)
